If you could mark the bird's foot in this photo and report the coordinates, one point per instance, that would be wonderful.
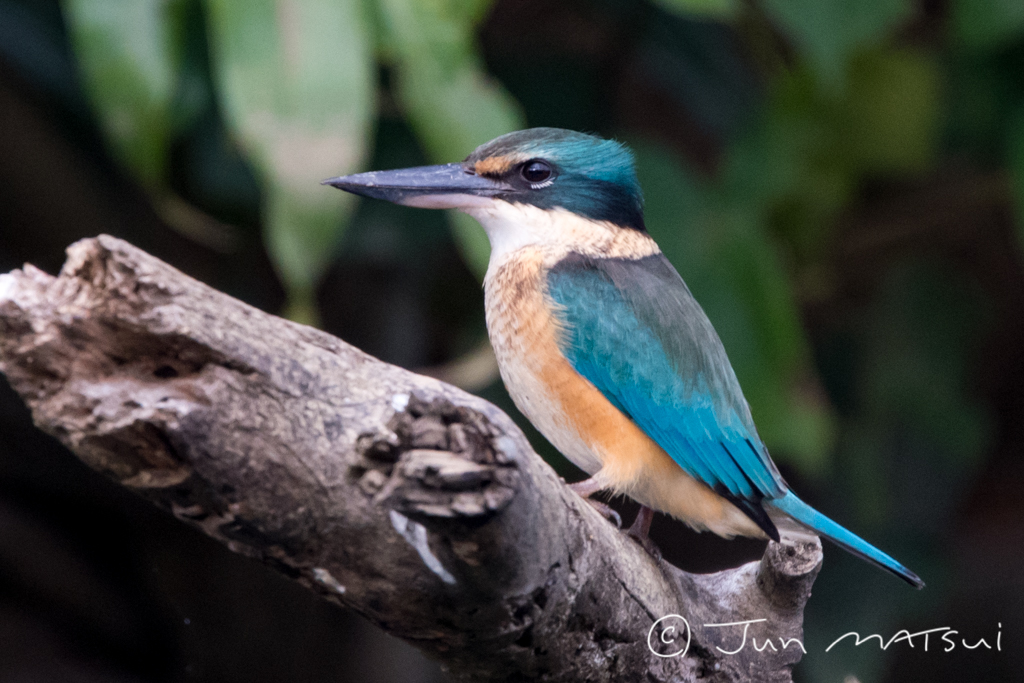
(641, 527)
(647, 544)
(589, 487)
(606, 511)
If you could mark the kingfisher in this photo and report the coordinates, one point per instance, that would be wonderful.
(601, 344)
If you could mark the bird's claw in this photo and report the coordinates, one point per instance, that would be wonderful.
(641, 528)
(646, 543)
(607, 512)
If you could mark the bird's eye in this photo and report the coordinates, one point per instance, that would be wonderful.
(535, 172)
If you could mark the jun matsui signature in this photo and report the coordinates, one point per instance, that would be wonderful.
(670, 636)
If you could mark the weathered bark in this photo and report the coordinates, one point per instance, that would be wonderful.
(420, 506)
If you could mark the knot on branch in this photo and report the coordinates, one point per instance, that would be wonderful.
(787, 572)
(438, 460)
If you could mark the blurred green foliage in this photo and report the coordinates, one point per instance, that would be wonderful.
(130, 53)
(830, 33)
(713, 9)
(296, 80)
(443, 88)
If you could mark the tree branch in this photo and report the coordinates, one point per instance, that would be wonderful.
(416, 504)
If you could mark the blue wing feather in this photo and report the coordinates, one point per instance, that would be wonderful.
(632, 328)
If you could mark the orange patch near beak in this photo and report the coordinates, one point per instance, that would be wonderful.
(496, 166)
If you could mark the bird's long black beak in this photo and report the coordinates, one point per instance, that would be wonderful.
(450, 186)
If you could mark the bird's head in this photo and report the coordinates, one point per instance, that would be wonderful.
(528, 173)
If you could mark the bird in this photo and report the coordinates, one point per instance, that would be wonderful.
(601, 344)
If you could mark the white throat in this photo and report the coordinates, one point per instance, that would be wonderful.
(512, 227)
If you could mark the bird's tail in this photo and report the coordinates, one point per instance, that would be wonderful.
(809, 517)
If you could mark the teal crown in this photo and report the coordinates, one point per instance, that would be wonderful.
(592, 177)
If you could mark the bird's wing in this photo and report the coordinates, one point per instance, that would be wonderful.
(632, 328)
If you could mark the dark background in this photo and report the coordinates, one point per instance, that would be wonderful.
(843, 189)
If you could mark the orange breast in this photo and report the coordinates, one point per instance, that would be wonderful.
(570, 411)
